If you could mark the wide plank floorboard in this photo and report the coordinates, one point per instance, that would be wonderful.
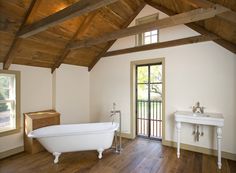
(138, 156)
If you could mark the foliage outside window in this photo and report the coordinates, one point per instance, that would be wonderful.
(9, 102)
(150, 36)
(155, 82)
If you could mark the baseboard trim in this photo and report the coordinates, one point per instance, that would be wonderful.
(11, 152)
(198, 149)
(127, 135)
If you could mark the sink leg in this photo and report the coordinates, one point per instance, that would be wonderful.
(178, 126)
(219, 137)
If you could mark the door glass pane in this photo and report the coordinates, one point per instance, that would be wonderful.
(142, 92)
(156, 92)
(155, 73)
(142, 74)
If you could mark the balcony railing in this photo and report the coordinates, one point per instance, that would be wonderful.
(149, 118)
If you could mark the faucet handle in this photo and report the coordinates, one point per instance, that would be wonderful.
(202, 109)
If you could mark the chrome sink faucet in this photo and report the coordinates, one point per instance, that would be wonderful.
(198, 109)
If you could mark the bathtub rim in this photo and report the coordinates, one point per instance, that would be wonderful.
(104, 131)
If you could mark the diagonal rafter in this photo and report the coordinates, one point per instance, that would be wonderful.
(81, 29)
(77, 9)
(229, 15)
(110, 43)
(222, 42)
(16, 41)
(182, 18)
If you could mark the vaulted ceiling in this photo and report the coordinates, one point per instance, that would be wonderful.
(49, 46)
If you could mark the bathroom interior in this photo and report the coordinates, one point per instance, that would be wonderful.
(117, 86)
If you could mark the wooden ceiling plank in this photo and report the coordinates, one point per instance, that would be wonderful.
(16, 41)
(115, 14)
(77, 9)
(229, 15)
(110, 21)
(81, 29)
(166, 44)
(224, 43)
(126, 5)
(182, 18)
(126, 24)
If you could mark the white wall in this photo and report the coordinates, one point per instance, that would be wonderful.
(71, 93)
(202, 72)
(67, 91)
(36, 94)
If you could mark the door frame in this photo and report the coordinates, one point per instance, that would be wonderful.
(133, 65)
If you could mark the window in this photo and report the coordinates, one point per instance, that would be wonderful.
(150, 36)
(9, 102)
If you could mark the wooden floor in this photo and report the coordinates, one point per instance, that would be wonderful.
(140, 155)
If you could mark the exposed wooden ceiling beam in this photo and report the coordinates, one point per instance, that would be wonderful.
(81, 29)
(126, 24)
(183, 18)
(16, 41)
(229, 15)
(224, 43)
(172, 43)
(77, 9)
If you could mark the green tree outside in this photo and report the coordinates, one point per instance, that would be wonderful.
(4, 83)
(3, 106)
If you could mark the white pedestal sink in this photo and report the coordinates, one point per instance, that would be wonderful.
(210, 119)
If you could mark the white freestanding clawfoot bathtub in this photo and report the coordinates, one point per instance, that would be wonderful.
(59, 139)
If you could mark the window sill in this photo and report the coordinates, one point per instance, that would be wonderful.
(9, 132)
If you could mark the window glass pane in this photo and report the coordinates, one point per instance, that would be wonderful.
(4, 81)
(7, 87)
(7, 118)
(4, 94)
(154, 38)
(4, 107)
(147, 40)
(142, 74)
(154, 32)
(147, 33)
(155, 73)
(156, 92)
(142, 91)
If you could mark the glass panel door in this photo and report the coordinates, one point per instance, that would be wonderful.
(149, 101)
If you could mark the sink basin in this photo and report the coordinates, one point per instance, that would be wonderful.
(212, 119)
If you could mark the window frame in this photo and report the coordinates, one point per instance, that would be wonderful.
(17, 103)
(139, 39)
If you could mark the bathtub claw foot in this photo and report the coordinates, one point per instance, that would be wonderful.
(57, 155)
(100, 153)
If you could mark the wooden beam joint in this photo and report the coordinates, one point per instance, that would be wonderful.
(77, 9)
